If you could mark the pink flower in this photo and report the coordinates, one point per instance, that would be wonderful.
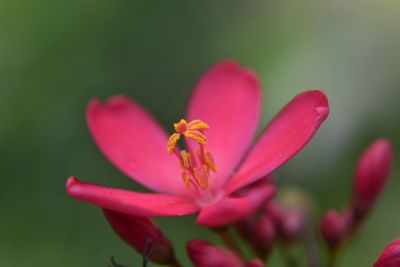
(205, 254)
(390, 256)
(143, 235)
(371, 175)
(220, 159)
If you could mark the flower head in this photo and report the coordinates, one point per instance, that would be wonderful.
(218, 129)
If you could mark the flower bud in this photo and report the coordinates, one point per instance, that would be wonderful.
(333, 228)
(143, 235)
(292, 224)
(390, 256)
(204, 254)
(245, 227)
(255, 263)
(264, 236)
(371, 175)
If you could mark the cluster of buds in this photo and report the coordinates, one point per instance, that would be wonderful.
(278, 222)
(371, 175)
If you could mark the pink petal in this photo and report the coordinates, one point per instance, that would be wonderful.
(286, 135)
(134, 142)
(231, 209)
(390, 256)
(133, 203)
(205, 254)
(228, 99)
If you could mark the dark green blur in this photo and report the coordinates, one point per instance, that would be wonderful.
(57, 55)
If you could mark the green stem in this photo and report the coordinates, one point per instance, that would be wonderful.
(176, 263)
(228, 240)
(288, 258)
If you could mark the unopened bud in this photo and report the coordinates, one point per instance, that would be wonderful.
(143, 235)
(371, 175)
(264, 236)
(390, 256)
(292, 224)
(255, 263)
(333, 228)
(245, 227)
(205, 254)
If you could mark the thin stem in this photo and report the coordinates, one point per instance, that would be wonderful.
(176, 263)
(228, 240)
(310, 245)
(332, 258)
(287, 256)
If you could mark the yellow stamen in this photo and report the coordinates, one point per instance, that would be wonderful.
(199, 125)
(196, 138)
(186, 179)
(196, 163)
(185, 159)
(173, 139)
(210, 161)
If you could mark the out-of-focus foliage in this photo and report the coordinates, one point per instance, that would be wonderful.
(56, 55)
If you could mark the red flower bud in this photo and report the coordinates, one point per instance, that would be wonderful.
(255, 263)
(143, 235)
(204, 254)
(371, 175)
(333, 228)
(264, 236)
(245, 227)
(292, 224)
(390, 256)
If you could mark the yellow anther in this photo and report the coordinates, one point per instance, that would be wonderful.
(197, 125)
(173, 139)
(210, 161)
(198, 179)
(196, 138)
(197, 133)
(186, 179)
(205, 170)
(186, 160)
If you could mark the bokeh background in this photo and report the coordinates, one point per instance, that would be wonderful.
(57, 55)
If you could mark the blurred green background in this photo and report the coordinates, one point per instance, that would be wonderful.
(57, 55)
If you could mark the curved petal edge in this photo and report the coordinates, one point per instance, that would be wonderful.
(128, 202)
(283, 138)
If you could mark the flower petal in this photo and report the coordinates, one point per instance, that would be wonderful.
(286, 135)
(230, 209)
(133, 203)
(228, 99)
(134, 142)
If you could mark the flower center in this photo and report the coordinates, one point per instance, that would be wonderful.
(196, 163)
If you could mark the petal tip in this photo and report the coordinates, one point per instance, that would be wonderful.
(112, 102)
(321, 103)
(71, 181)
(71, 185)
